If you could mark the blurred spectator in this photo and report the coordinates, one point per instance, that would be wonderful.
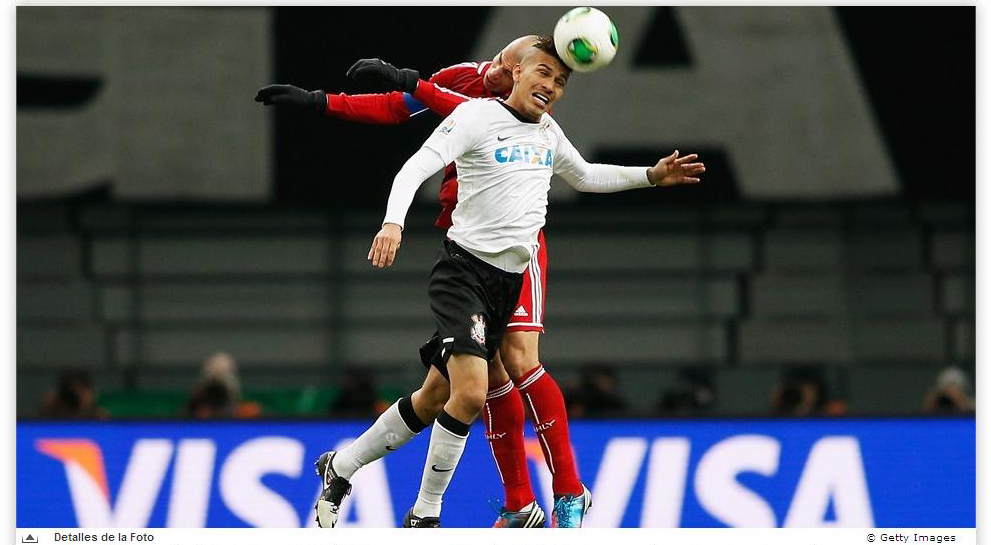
(357, 397)
(218, 392)
(950, 394)
(597, 395)
(804, 391)
(73, 397)
(692, 394)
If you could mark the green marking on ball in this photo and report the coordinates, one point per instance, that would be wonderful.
(613, 35)
(582, 50)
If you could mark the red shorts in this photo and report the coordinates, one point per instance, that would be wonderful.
(529, 313)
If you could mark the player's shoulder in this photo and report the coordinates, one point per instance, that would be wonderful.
(464, 68)
(477, 105)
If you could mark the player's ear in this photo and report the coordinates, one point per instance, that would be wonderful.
(517, 70)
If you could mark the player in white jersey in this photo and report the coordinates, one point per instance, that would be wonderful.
(506, 153)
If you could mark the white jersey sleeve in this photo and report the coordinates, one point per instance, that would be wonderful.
(449, 140)
(593, 177)
(423, 164)
(459, 132)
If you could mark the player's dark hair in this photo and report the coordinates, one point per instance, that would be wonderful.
(546, 44)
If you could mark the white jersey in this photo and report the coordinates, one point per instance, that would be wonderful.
(505, 164)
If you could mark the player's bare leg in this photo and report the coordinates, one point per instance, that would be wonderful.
(543, 400)
(432, 395)
(469, 380)
(393, 429)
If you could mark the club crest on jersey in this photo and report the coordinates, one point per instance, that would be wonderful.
(478, 329)
(523, 153)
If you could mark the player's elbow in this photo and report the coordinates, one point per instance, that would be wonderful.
(589, 188)
(579, 184)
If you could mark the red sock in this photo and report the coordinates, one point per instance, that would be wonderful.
(503, 416)
(545, 404)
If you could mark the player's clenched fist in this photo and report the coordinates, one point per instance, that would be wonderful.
(385, 245)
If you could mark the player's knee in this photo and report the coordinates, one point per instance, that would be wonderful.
(470, 401)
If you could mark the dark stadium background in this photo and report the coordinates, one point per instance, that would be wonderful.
(326, 178)
(916, 66)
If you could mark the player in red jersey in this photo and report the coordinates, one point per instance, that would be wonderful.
(526, 379)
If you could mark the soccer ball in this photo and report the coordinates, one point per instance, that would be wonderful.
(585, 39)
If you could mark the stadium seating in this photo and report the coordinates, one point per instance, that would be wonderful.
(880, 291)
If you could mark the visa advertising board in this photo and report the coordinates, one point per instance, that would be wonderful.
(907, 472)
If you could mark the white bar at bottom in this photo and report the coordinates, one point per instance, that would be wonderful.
(490, 536)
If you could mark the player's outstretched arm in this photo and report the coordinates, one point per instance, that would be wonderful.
(603, 178)
(378, 109)
(674, 170)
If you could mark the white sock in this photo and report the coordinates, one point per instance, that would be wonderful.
(389, 432)
(447, 443)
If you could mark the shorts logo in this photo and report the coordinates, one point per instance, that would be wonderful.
(521, 312)
(478, 329)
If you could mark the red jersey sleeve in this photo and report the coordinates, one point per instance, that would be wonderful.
(450, 76)
(381, 109)
(446, 89)
(439, 99)
(451, 86)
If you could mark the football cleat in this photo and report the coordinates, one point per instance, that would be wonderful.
(531, 516)
(569, 511)
(413, 521)
(335, 488)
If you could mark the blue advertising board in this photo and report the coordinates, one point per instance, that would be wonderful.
(908, 472)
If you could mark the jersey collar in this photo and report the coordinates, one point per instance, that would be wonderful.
(516, 114)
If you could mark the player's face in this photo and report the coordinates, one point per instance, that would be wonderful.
(498, 79)
(539, 82)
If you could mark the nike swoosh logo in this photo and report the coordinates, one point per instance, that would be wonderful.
(434, 467)
(387, 447)
(501, 138)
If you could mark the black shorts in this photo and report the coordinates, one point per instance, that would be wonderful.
(472, 302)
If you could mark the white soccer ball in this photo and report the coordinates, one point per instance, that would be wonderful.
(586, 39)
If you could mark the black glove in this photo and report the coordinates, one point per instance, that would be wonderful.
(377, 71)
(292, 96)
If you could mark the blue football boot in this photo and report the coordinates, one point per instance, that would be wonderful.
(569, 511)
